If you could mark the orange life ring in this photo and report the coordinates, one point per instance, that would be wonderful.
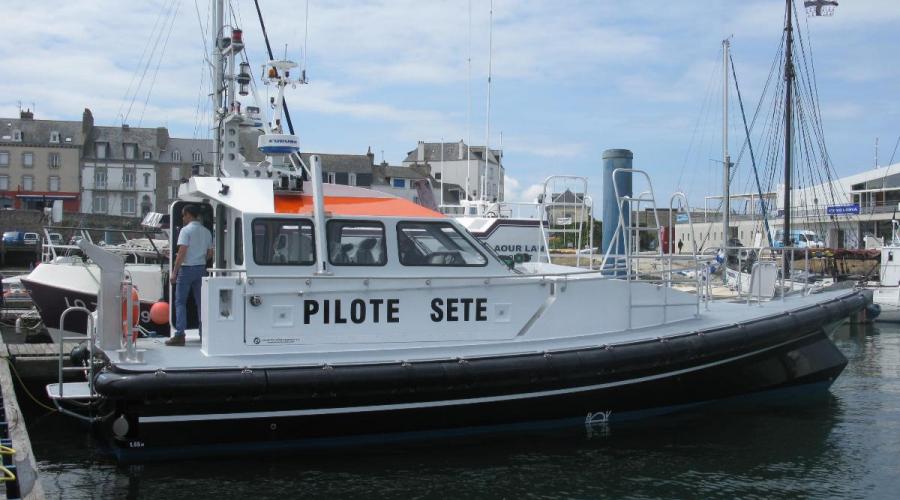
(135, 313)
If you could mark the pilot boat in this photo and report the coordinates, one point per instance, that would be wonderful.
(337, 315)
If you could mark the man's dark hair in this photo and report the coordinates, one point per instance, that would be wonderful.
(194, 210)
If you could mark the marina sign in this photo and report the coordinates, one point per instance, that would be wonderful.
(851, 209)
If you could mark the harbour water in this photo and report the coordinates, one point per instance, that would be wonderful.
(844, 444)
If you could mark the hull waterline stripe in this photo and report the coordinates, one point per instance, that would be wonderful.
(453, 402)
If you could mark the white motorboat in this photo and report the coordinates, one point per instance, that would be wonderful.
(886, 293)
(336, 315)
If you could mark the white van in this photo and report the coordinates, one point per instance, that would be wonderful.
(802, 238)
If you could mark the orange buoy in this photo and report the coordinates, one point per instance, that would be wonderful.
(159, 312)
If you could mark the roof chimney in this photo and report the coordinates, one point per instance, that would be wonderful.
(26, 115)
(420, 154)
(462, 145)
(371, 156)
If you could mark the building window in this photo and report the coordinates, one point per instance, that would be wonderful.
(54, 137)
(437, 176)
(128, 179)
(148, 155)
(100, 151)
(54, 160)
(176, 173)
(128, 204)
(147, 180)
(4, 182)
(173, 192)
(331, 178)
(4, 158)
(146, 205)
(17, 136)
(99, 204)
(100, 180)
(176, 155)
(28, 160)
(351, 179)
(28, 183)
(197, 157)
(53, 184)
(398, 183)
(130, 151)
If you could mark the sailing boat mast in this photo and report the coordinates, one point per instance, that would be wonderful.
(726, 158)
(788, 119)
(218, 80)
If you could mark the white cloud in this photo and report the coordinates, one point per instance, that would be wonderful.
(571, 78)
(513, 191)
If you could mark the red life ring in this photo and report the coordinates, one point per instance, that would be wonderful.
(135, 313)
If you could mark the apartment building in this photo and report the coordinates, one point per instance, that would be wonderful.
(39, 162)
(119, 169)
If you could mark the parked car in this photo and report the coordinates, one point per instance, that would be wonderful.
(31, 239)
(13, 238)
(56, 239)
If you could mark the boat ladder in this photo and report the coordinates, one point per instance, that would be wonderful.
(80, 395)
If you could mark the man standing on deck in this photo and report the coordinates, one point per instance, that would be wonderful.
(194, 248)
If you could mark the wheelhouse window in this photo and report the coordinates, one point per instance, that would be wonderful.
(238, 242)
(356, 243)
(283, 242)
(435, 244)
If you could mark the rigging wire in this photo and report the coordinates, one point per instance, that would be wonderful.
(151, 57)
(159, 62)
(697, 125)
(891, 161)
(140, 62)
(752, 155)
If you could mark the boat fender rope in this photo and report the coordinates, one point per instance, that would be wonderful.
(462, 361)
(159, 372)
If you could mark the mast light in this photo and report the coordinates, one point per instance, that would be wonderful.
(243, 79)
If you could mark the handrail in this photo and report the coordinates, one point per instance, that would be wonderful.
(62, 343)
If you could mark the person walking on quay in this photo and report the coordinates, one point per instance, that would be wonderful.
(195, 246)
(680, 245)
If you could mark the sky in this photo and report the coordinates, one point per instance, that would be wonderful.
(570, 78)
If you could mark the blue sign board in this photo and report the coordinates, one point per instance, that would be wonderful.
(682, 218)
(852, 209)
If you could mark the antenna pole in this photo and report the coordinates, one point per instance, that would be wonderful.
(726, 158)
(262, 24)
(487, 138)
(788, 119)
(469, 108)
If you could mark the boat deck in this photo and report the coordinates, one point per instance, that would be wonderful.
(720, 314)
